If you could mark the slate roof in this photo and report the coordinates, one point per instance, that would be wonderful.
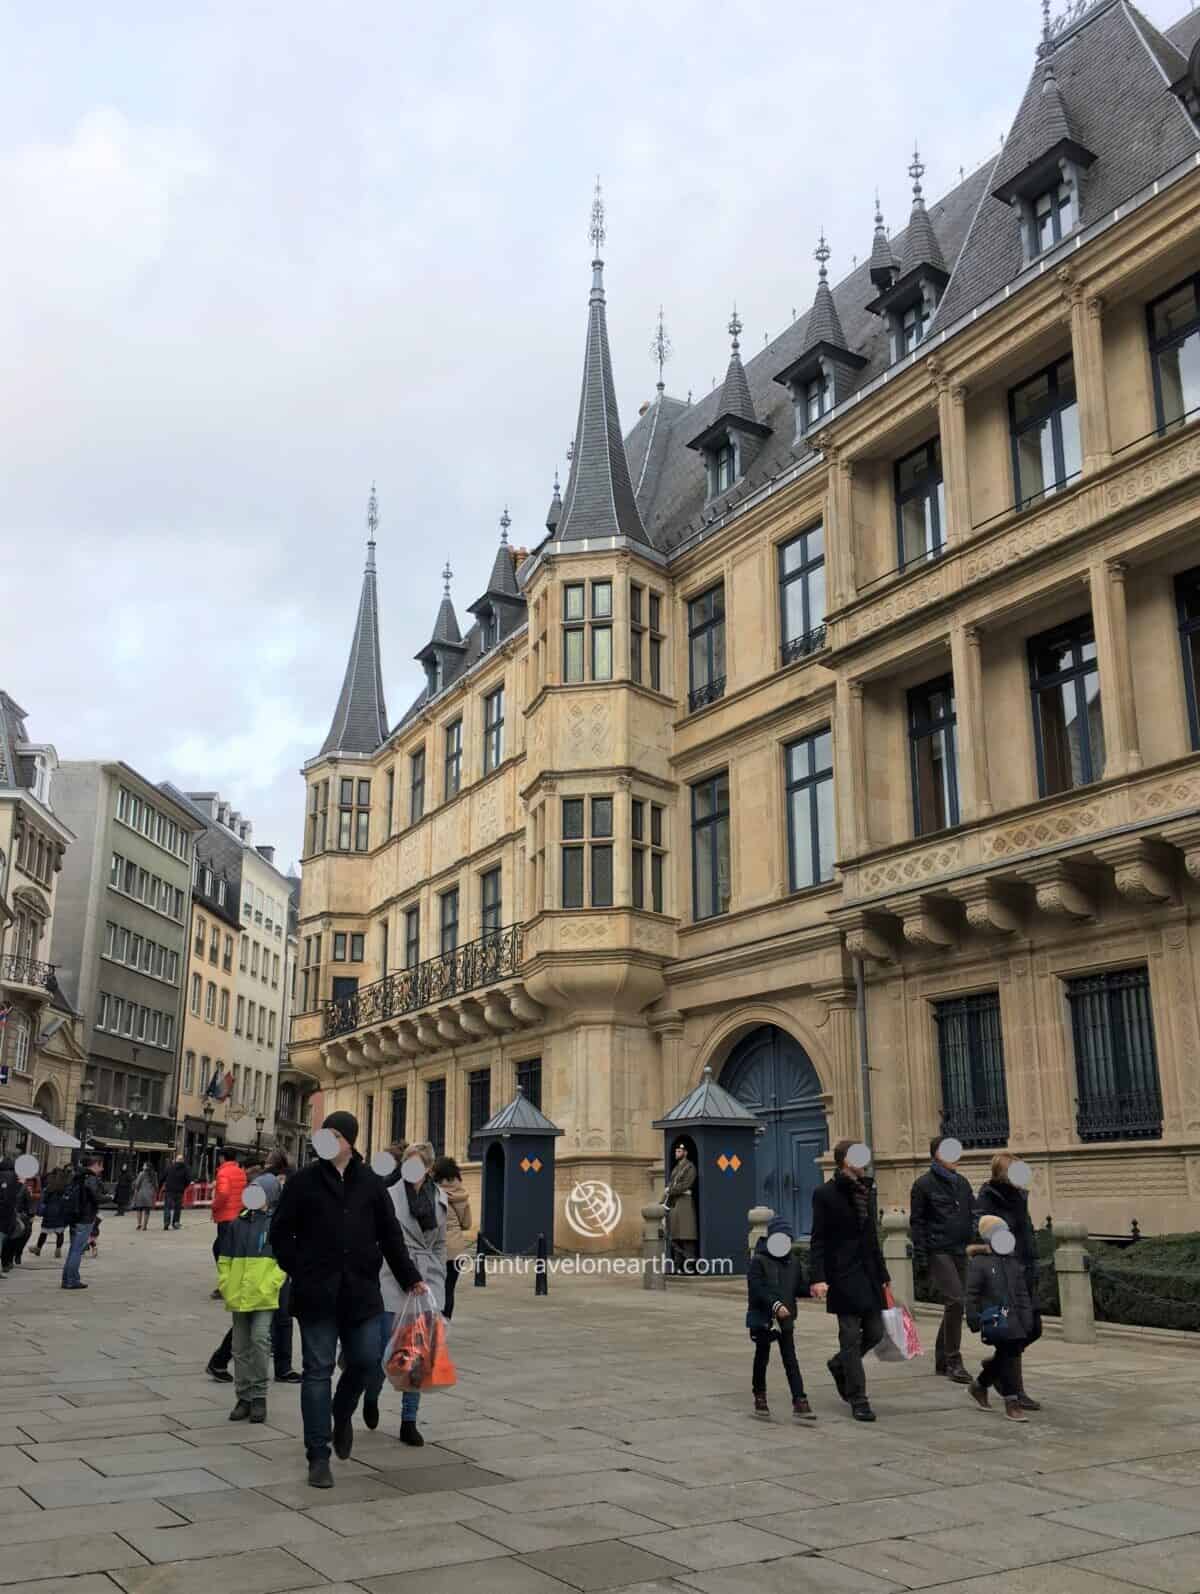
(1182, 35)
(360, 720)
(520, 1117)
(707, 1104)
(220, 850)
(14, 770)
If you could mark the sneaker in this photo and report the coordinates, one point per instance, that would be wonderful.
(958, 1374)
(802, 1411)
(410, 1434)
(838, 1376)
(1012, 1409)
(289, 1377)
(240, 1412)
(371, 1414)
(1028, 1403)
(343, 1438)
(979, 1394)
(258, 1411)
(861, 1411)
(319, 1475)
(215, 1296)
(221, 1374)
(761, 1409)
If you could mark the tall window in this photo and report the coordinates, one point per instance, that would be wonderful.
(529, 1081)
(493, 912)
(574, 630)
(384, 964)
(1116, 1062)
(412, 937)
(399, 1116)
(479, 1107)
(416, 785)
(1187, 597)
(587, 631)
(435, 1115)
(706, 647)
(587, 827)
(602, 649)
(390, 798)
(971, 1061)
(1045, 432)
(449, 912)
(318, 815)
(648, 850)
(811, 840)
(354, 817)
(637, 632)
(453, 759)
(802, 594)
(1052, 216)
(932, 749)
(189, 1072)
(197, 986)
(710, 847)
(1175, 353)
(913, 325)
(493, 730)
(723, 470)
(920, 504)
(654, 603)
(1068, 727)
(223, 1017)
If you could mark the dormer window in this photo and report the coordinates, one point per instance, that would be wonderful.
(723, 468)
(488, 629)
(818, 398)
(433, 676)
(1055, 214)
(914, 324)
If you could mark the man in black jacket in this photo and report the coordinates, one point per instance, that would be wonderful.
(175, 1181)
(82, 1198)
(334, 1226)
(941, 1218)
(849, 1274)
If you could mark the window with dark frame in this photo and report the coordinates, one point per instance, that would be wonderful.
(654, 605)
(706, 647)
(448, 909)
(711, 893)
(971, 1064)
(640, 852)
(802, 594)
(398, 1124)
(724, 468)
(812, 839)
(416, 786)
(357, 948)
(529, 1081)
(602, 635)
(1187, 599)
(572, 852)
(1068, 725)
(637, 632)
(493, 730)
(412, 937)
(1044, 418)
(339, 946)
(492, 907)
(454, 747)
(435, 1115)
(389, 817)
(1119, 1095)
(602, 853)
(920, 505)
(934, 755)
(1174, 329)
(1052, 216)
(479, 1108)
(587, 828)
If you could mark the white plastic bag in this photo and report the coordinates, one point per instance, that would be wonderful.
(900, 1342)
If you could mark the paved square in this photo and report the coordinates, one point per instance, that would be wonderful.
(598, 1439)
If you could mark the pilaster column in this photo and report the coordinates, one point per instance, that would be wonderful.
(839, 529)
(952, 425)
(552, 809)
(974, 781)
(622, 831)
(1087, 346)
(850, 790)
(1122, 750)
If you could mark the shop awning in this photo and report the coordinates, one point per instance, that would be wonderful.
(34, 1124)
(117, 1144)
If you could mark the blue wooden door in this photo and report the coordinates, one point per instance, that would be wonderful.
(770, 1073)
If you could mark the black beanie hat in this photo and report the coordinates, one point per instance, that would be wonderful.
(345, 1123)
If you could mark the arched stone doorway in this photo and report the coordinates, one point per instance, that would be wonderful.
(46, 1103)
(772, 1075)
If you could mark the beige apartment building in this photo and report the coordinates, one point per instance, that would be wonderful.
(841, 735)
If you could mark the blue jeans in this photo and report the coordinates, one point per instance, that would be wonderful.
(81, 1233)
(410, 1399)
(172, 1211)
(319, 1407)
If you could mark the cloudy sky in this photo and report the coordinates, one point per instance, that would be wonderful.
(258, 254)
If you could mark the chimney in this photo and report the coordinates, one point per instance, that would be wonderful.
(266, 852)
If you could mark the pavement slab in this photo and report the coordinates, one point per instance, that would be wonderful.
(590, 1567)
(1172, 1566)
(63, 1558)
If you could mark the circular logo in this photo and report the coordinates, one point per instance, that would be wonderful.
(593, 1209)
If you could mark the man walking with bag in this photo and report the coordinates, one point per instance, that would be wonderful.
(333, 1229)
(81, 1206)
(941, 1220)
(848, 1270)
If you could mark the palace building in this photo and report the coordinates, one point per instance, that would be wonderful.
(842, 732)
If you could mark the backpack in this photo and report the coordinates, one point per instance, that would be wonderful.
(72, 1202)
(996, 1323)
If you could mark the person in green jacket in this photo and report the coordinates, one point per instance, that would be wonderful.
(250, 1279)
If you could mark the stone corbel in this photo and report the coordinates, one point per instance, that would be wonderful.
(496, 1014)
(989, 907)
(525, 1010)
(471, 1020)
(1185, 838)
(355, 1055)
(1141, 869)
(868, 936)
(375, 1052)
(447, 1027)
(1061, 890)
(402, 1037)
(428, 1035)
(334, 1056)
(923, 923)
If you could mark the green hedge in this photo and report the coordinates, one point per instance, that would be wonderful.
(1155, 1283)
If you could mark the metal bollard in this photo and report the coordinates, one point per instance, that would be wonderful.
(541, 1275)
(1072, 1264)
(654, 1262)
(897, 1255)
(759, 1218)
(480, 1266)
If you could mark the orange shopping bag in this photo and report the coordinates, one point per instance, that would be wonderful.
(417, 1357)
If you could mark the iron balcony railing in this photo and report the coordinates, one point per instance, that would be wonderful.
(1127, 1115)
(26, 971)
(702, 696)
(799, 647)
(493, 957)
(977, 1126)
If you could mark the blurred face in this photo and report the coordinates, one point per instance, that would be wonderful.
(344, 1147)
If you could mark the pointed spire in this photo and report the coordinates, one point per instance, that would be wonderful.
(502, 583)
(599, 500)
(921, 247)
(445, 627)
(554, 513)
(883, 267)
(735, 397)
(360, 721)
(824, 323)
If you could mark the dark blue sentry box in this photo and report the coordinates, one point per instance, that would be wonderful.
(721, 1137)
(517, 1151)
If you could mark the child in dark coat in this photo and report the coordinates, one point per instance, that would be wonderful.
(999, 1308)
(774, 1282)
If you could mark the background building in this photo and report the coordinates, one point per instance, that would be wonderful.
(120, 940)
(842, 734)
(294, 1098)
(39, 1053)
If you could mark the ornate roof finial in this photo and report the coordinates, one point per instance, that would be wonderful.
(447, 577)
(372, 526)
(660, 348)
(821, 255)
(596, 231)
(505, 523)
(557, 488)
(735, 330)
(916, 171)
(878, 211)
(1045, 21)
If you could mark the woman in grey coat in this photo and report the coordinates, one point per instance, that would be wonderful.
(145, 1193)
(421, 1207)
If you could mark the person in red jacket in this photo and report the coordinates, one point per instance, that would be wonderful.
(227, 1194)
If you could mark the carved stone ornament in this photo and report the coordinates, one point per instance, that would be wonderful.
(923, 925)
(1060, 892)
(1141, 870)
(865, 938)
(988, 911)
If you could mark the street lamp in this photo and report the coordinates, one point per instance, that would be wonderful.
(87, 1092)
(260, 1119)
(208, 1109)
